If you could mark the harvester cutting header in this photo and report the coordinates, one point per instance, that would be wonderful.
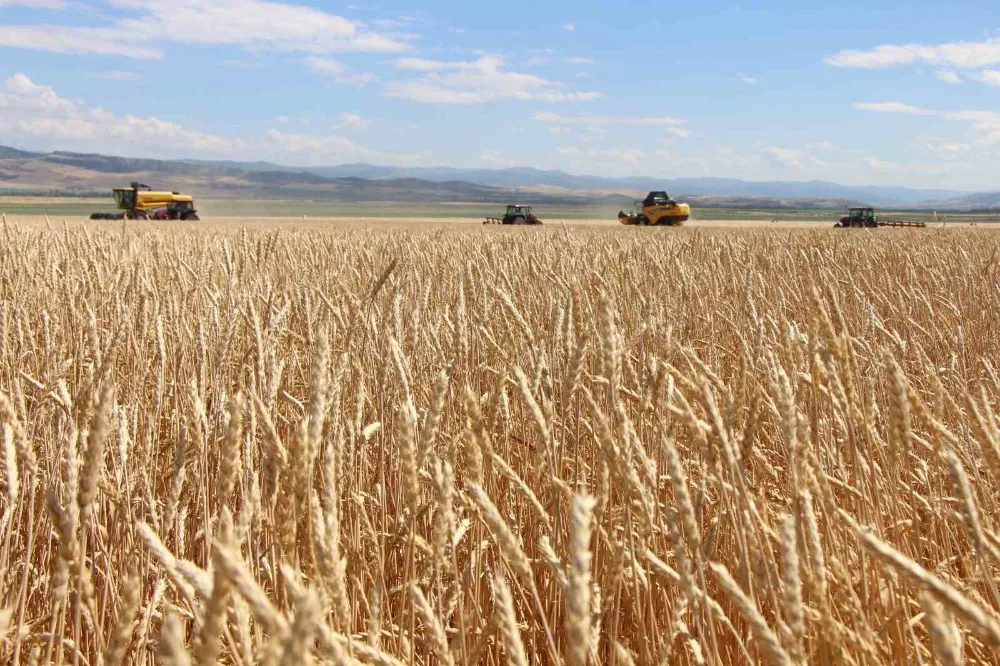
(656, 210)
(140, 202)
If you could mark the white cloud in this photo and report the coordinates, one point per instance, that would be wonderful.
(963, 55)
(581, 61)
(797, 159)
(893, 107)
(877, 164)
(495, 158)
(476, 82)
(359, 79)
(282, 119)
(242, 64)
(118, 76)
(74, 40)
(323, 65)
(748, 80)
(329, 67)
(253, 24)
(34, 4)
(350, 121)
(312, 149)
(594, 133)
(947, 76)
(558, 130)
(678, 132)
(422, 65)
(986, 122)
(824, 145)
(944, 148)
(29, 110)
(990, 77)
(604, 121)
(569, 27)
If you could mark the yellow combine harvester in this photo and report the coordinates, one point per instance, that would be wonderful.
(656, 210)
(139, 202)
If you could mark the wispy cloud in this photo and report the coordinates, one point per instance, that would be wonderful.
(315, 149)
(963, 55)
(947, 76)
(476, 82)
(352, 122)
(986, 122)
(256, 24)
(496, 158)
(241, 64)
(323, 65)
(35, 4)
(577, 60)
(797, 159)
(748, 80)
(337, 70)
(604, 121)
(893, 107)
(358, 79)
(117, 75)
(990, 77)
(568, 27)
(38, 111)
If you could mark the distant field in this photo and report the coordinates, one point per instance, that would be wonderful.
(73, 207)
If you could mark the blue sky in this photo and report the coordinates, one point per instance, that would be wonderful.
(856, 92)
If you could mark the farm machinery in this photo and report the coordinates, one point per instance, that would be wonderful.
(515, 214)
(140, 202)
(865, 218)
(656, 210)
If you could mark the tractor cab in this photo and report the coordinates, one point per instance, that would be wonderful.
(657, 199)
(520, 214)
(860, 216)
(127, 198)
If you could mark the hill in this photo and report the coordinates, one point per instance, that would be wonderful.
(74, 172)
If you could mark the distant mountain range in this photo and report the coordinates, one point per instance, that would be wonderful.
(24, 171)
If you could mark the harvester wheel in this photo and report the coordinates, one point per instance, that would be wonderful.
(642, 221)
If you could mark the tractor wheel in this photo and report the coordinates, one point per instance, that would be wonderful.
(191, 216)
(518, 220)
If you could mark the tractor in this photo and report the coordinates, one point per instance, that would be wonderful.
(863, 217)
(656, 210)
(516, 214)
(139, 202)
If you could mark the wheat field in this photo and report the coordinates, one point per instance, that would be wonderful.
(493, 446)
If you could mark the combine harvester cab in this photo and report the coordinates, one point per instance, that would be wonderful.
(515, 214)
(863, 217)
(656, 210)
(139, 202)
